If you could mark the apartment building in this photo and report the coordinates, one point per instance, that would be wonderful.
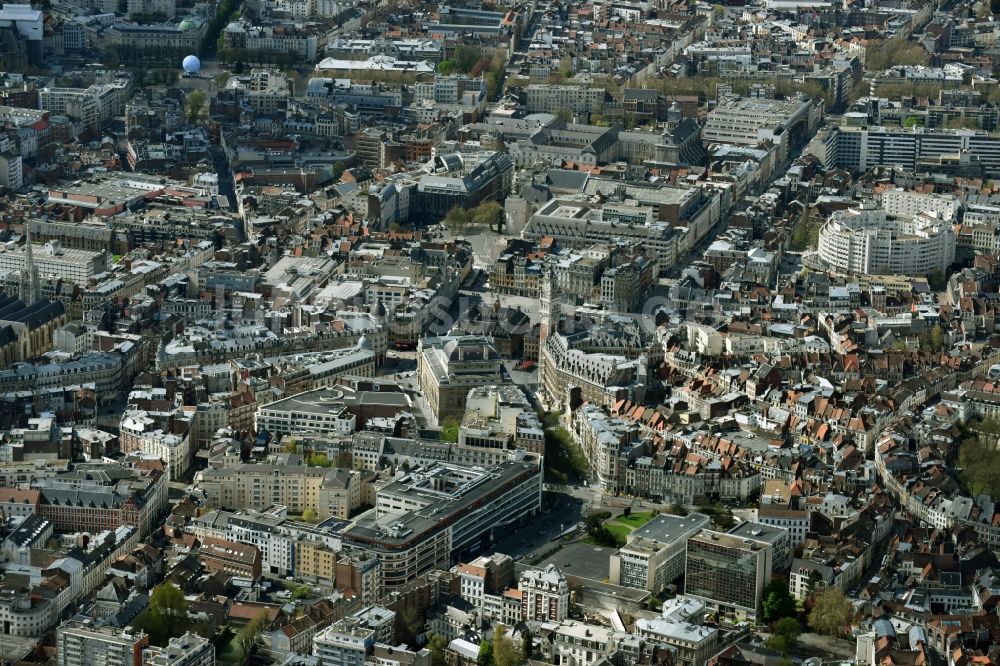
(139, 431)
(550, 98)
(349, 641)
(92, 106)
(500, 417)
(544, 595)
(84, 643)
(187, 650)
(229, 557)
(331, 492)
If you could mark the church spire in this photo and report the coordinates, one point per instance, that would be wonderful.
(29, 286)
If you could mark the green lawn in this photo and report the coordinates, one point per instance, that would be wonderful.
(621, 532)
(636, 520)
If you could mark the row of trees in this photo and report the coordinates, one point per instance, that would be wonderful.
(563, 456)
(259, 56)
(227, 11)
(488, 214)
(470, 60)
(896, 51)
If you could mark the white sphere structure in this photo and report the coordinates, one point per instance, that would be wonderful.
(191, 64)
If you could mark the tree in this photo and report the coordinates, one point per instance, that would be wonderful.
(449, 431)
(466, 58)
(778, 603)
(310, 515)
(813, 581)
(937, 337)
(831, 613)
(318, 460)
(166, 616)
(599, 532)
(437, 644)
(896, 51)
(412, 623)
(485, 657)
(300, 592)
(251, 632)
(563, 456)
(290, 447)
(937, 280)
(977, 459)
(784, 636)
(722, 516)
(527, 644)
(505, 651)
(805, 234)
(961, 122)
(565, 115)
(457, 219)
(487, 214)
(338, 170)
(193, 105)
(446, 67)
(677, 509)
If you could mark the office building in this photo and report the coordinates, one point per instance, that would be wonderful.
(84, 644)
(727, 573)
(488, 180)
(655, 553)
(748, 122)
(53, 260)
(335, 410)
(778, 538)
(866, 241)
(98, 496)
(439, 514)
(449, 367)
(913, 149)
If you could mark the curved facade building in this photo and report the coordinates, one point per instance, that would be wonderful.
(866, 241)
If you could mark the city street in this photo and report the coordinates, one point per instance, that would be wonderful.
(560, 511)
